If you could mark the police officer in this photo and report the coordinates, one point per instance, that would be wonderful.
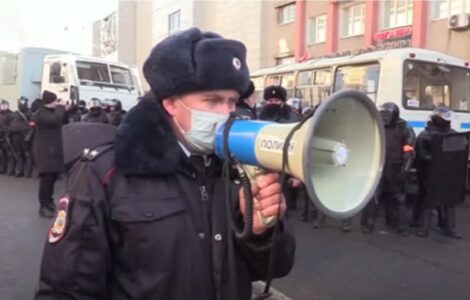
(77, 112)
(439, 123)
(21, 129)
(6, 150)
(276, 109)
(246, 106)
(145, 217)
(95, 114)
(399, 154)
(47, 149)
(117, 113)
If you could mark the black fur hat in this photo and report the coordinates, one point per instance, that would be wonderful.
(48, 97)
(275, 91)
(192, 61)
(250, 90)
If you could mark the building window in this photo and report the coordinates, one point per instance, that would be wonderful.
(174, 22)
(446, 8)
(316, 29)
(396, 13)
(285, 60)
(286, 14)
(353, 20)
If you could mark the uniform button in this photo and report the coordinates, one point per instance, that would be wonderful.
(236, 181)
(218, 237)
(148, 215)
(193, 175)
(201, 235)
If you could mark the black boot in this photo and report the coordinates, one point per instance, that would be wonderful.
(319, 221)
(450, 230)
(426, 215)
(11, 166)
(402, 217)
(346, 225)
(45, 212)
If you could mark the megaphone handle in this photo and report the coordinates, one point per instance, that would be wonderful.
(252, 173)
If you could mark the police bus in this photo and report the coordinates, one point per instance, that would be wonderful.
(73, 77)
(417, 80)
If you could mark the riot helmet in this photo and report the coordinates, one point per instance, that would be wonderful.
(390, 113)
(442, 116)
(116, 105)
(23, 104)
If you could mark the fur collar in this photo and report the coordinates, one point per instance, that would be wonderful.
(145, 143)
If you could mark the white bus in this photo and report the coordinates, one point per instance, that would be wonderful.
(417, 80)
(72, 77)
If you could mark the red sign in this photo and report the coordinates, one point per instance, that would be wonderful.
(393, 34)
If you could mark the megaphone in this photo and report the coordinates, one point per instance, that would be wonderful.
(338, 153)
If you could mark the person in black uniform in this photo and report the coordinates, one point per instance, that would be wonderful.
(95, 114)
(246, 106)
(117, 113)
(391, 192)
(77, 112)
(7, 159)
(146, 215)
(439, 123)
(21, 132)
(47, 149)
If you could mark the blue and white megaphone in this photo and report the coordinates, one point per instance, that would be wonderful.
(338, 153)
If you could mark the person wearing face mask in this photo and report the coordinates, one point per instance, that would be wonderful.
(21, 129)
(438, 124)
(276, 109)
(96, 114)
(6, 151)
(47, 149)
(145, 216)
(246, 106)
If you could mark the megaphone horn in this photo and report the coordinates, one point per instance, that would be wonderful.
(338, 153)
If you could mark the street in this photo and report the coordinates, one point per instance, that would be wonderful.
(329, 265)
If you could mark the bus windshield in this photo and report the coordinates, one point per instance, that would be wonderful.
(427, 85)
(94, 72)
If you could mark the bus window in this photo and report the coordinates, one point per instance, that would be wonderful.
(437, 95)
(364, 78)
(91, 71)
(274, 80)
(58, 73)
(427, 85)
(313, 86)
(121, 76)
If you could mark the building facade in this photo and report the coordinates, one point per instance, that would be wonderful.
(337, 27)
(284, 32)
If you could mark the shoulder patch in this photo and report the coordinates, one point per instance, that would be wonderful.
(59, 227)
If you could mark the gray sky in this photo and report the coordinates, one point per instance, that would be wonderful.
(58, 24)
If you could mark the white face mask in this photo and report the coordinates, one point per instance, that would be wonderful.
(201, 136)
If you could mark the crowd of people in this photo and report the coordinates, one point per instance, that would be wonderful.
(30, 137)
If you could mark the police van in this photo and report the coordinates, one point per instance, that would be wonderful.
(71, 76)
(417, 80)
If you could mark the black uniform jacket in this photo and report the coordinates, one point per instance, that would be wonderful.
(145, 222)
(47, 145)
